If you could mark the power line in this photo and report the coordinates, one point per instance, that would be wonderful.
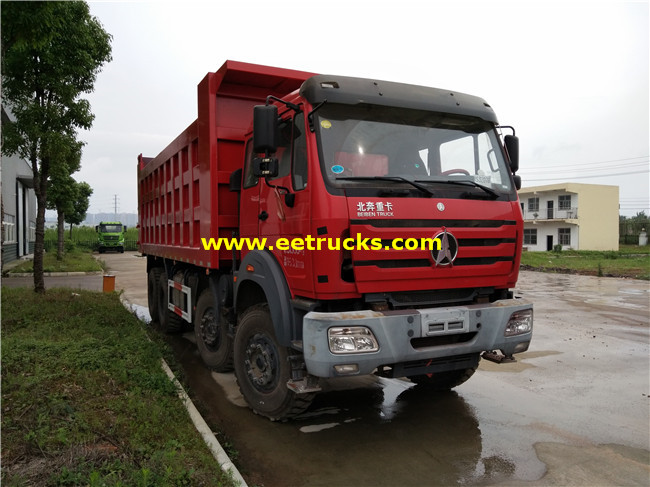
(589, 177)
(592, 163)
(632, 165)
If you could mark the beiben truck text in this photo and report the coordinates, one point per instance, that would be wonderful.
(284, 154)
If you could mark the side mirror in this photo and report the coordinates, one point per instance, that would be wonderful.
(265, 167)
(512, 147)
(265, 129)
(235, 180)
(125, 228)
(97, 228)
(517, 182)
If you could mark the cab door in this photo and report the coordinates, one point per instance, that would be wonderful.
(278, 207)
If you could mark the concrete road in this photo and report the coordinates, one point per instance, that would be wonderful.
(574, 409)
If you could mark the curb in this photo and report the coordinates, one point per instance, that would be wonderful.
(52, 274)
(204, 430)
(200, 424)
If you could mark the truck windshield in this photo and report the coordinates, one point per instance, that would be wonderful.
(369, 145)
(110, 228)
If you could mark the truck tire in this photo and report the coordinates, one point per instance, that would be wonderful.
(444, 381)
(153, 288)
(262, 368)
(211, 331)
(169, 322)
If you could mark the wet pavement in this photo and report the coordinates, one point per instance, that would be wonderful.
(574, 409)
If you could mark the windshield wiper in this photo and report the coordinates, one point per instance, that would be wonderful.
(467, 182)
(397, 179)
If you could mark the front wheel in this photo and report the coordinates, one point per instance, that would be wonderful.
(211, 331)
(262, 368)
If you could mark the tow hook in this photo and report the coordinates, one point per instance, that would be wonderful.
(498, 358)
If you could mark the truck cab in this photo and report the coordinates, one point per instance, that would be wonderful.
(110, 236)
(363, 175)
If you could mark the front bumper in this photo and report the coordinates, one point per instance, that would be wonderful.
(410, 336)
(112, 243)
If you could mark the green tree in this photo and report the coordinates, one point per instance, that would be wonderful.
(51, 55)
(62, 190)
(80, 205)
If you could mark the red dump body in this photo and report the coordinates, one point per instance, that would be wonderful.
(183, 192)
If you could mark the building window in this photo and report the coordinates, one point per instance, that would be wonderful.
(533, 204)
(9, 229)
(530, 236)
(564, 236)
(564, 202)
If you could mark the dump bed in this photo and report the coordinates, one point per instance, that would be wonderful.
(183, 193)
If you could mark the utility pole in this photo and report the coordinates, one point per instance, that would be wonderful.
(115, 205)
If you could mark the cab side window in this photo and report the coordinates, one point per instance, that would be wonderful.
(291, 154)
(283, 154)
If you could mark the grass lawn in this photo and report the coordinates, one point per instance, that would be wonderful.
(73, 261)
(629, 261)
(84, 399)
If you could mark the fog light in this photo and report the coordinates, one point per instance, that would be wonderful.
(347, 369)
(520, 322)
(354, 339)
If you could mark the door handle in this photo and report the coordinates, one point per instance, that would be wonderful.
(263, 216)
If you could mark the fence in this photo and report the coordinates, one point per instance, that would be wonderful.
(629, 232)
(50, 245)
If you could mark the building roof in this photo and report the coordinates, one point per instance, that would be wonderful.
(566, 187)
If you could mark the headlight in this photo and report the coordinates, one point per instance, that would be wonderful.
(354, 339)
(520, 322)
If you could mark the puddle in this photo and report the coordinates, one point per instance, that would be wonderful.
(314, 428)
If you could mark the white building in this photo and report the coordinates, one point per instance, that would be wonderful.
(574, 215)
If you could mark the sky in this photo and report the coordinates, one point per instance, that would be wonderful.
(570, 76)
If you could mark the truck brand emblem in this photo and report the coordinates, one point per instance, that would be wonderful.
(440, 206)
(448, 249)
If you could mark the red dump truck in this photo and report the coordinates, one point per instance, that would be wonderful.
(313, 226)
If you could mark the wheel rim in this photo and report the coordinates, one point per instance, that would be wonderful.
(210, 330)
(262, 363)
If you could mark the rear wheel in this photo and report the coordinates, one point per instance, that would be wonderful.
(169, 321)
(153, 285)
(211, 330)
(444, 381)
(262, 368)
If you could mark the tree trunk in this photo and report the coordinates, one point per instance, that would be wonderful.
(60, 227)
(39, 246)
(40, 188)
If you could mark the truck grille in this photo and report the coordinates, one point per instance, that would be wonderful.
(486, 255)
